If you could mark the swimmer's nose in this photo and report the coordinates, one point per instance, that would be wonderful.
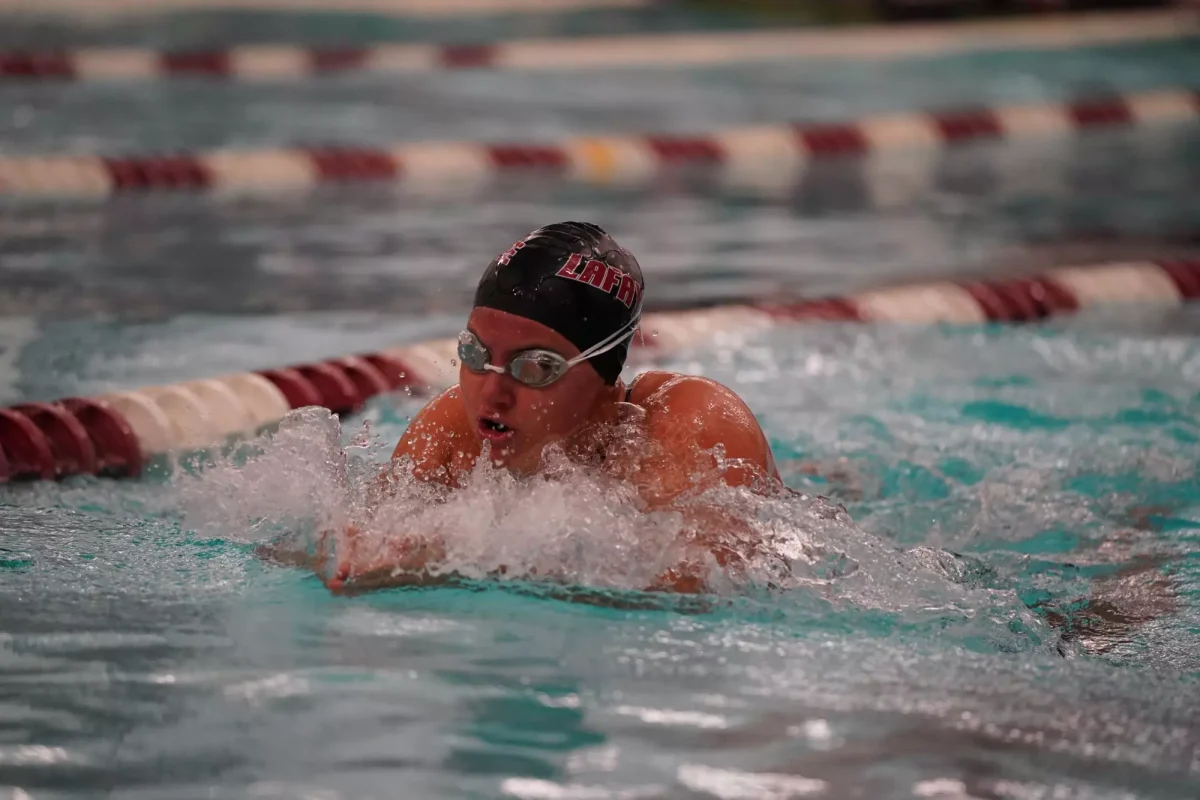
(497, 392)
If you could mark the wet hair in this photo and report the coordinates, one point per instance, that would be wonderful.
(575, 279)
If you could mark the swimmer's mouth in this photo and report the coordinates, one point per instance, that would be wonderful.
(494, 429)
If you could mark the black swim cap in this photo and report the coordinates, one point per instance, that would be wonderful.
(573, 278)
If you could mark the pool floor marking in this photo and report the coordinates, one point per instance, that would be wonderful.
(275, 62)
(115, 433)
(733, 152)
(397, 8)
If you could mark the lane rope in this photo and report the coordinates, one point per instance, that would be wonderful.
(117, 433)
(275, 63)
(738, 154)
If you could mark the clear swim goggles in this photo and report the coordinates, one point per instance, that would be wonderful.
(537, 368)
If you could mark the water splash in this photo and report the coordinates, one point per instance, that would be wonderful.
(572, 526)
(298, 476)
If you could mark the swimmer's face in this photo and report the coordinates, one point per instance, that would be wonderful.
(516, 420)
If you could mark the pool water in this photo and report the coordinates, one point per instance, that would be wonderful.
(946, 633)
(365, 109)
(987, 586)
(974, 212)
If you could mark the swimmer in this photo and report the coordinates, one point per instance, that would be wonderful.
(539, 367)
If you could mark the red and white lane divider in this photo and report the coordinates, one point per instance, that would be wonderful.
(279, 63)
(110, 9)
(738, 152)
(115, 434)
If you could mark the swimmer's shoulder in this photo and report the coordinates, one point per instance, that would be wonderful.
(661, 390)
(644, 386)
(438, 440)
(707, 410)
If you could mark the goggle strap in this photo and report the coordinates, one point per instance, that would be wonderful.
(604, 345)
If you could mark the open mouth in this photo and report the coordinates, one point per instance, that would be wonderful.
(494, 429)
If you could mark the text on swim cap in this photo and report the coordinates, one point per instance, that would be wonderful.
(604, 277)
(507, 255)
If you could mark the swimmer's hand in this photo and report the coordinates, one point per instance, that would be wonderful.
(690, 576)
(712, 538)
(351, 561)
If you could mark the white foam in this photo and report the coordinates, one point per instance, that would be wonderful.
(572, 526)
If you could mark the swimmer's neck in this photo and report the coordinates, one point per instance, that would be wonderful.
(596, 432)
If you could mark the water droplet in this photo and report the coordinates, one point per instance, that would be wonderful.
(654, 333)
(454, 362)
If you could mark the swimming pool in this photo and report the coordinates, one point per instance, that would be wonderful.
(937, 644)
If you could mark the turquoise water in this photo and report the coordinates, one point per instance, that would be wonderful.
(975, 212)
(370, 109)
(1007, 606)
(985, 471)
(196, 30)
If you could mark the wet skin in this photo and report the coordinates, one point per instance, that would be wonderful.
(692, 434)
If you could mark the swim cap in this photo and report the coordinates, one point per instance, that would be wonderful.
(573, 278)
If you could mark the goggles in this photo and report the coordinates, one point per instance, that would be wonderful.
(537, 368)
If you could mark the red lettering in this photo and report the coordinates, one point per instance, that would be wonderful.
(507, 255)
(628, 291)
(567, 270)
(593, 272)
(603, 277)
(612, 277)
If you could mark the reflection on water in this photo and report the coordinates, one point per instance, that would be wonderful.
(1003, 606)
(396, 250)
(1019, 622)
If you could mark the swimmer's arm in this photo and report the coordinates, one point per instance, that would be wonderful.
(426, 450)
(352, 558)
(429, 440)
(689, 426)
(354, 562)
(700, 435)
